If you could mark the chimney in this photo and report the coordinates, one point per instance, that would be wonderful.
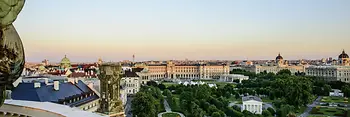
(71, 80)
(46, 81)
(37, 85)
(56, 85)
(76, 80)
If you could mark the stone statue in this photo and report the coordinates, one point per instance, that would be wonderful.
(110, 103)
(11, 48)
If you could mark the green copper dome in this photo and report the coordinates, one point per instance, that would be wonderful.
(65, 62)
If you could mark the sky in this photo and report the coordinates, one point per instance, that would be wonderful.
(114, 30)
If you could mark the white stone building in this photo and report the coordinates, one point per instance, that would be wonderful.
(232, 77)
(330, 73)
(252, 104)
(184, 71)
(275, 67)
(339, 71)
(336, 93)
(131, 81)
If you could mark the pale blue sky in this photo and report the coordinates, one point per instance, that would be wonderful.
(85, 30)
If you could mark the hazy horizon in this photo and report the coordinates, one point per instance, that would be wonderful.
(86, 30)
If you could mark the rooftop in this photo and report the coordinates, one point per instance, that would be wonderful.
(247, 98)
(52, 108)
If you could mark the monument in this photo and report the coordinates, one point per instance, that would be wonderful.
(11, 48)
(110, 103)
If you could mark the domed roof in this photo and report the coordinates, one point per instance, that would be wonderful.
(65, 60)
(279, 57)
(343, 55)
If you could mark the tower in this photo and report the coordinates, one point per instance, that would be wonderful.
(133, 58)
(110, 103)
(343, 59)
(279, 60)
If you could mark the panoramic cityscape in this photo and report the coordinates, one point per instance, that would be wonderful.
(181, 58)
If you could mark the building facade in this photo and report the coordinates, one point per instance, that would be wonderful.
(276, 66)
(73, 93)
(252, 104)
(338, 71)
(330, 73)
(184, 71)
(21, 108)
(131, 82)
(232, 77)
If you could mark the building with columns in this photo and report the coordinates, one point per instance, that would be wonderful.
(232, 77)
(183, 71)
(252, 104)
(276, 66)
(339, 71)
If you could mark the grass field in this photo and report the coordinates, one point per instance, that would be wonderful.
(328, 111)
(170, 115)
(168, 84)
(334, 99)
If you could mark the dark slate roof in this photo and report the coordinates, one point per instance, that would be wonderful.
(46, 93)
(247, 98)
(137, 69)
(130, 74)
(83, 101)
(83, 87)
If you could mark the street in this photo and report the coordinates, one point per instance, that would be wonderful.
(128, 112)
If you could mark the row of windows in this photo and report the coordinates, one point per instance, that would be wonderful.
(90, 106)
(144, 77)
(327, 73)
(132, 85)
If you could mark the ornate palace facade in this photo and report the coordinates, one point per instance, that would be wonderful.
(171, 70)
(276, 66)
(339, 71)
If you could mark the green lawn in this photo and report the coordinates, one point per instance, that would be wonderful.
(170, 115)
(328, 111)
(168, 84)
(334, 99)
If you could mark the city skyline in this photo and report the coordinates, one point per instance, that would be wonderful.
(225, 30)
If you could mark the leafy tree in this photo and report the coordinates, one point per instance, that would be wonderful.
(248, 114)
(284, 110)
(212, 109)
(143, 105)
(237, 96)
(284, 72)
(237, 108)
(233, 113)
(216, 114)
(266, 113)
(222, 113)
(161, 86)
(271, 110)
(346, 90)
(291, 114)
(202, 92)
(197, 112)
(327, 88)
(152, 83)
(167, 93)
